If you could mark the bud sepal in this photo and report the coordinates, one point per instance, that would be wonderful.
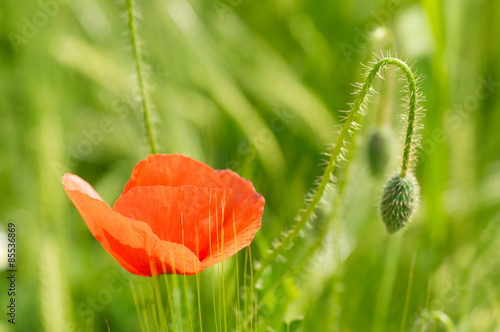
(399, 201)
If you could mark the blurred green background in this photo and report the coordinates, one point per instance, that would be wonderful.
(255, 87)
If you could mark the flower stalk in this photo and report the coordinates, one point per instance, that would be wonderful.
(136, 50)
(345, 136)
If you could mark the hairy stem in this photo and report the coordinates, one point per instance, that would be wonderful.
(345, 136)
(132, 28)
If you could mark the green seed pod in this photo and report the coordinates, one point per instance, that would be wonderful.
(379, 152)
(399, 201)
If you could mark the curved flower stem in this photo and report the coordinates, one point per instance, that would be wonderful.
(339, 150)
(132, 27)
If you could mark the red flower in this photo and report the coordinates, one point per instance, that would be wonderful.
(175, 215)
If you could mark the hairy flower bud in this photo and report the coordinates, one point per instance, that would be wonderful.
(399, 201)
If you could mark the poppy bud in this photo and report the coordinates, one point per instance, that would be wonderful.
(378, 152)
(399, 201)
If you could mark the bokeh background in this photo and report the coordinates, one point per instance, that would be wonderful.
(256, 86)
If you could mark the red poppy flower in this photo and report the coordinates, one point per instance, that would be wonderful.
(175, 215)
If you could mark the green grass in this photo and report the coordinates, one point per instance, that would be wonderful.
(255, 87)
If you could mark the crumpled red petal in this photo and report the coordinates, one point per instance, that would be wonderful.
(172, 170)
(131, 242)
(176, 215)
(242, 217)
(187, 215)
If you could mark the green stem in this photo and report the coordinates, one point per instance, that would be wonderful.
(345, 136)
(134, 40)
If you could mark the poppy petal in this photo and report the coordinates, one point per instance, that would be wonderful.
(243, 215)
(186, 215)
(173, 170)
(131, 242)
